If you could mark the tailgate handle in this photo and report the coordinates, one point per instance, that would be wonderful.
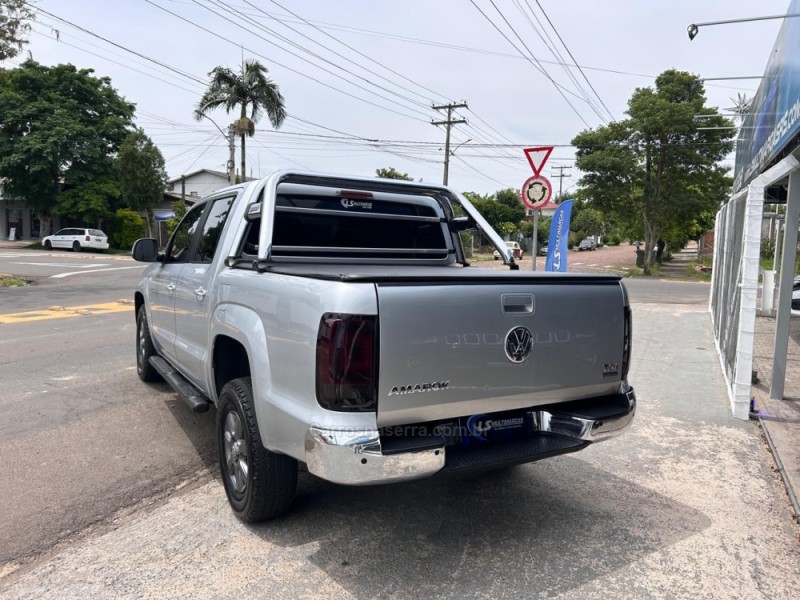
(518, 303)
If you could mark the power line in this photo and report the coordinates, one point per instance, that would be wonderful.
(325, 33)
(312, 53)
(288, 68)
(571, 56)
(106, 40)
(548, 42)
(539, 68)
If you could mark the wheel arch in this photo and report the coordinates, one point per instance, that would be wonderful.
(138, 302)
(229, 360)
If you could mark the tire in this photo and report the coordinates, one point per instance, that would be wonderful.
(47, 245)
(76, 246)
(266, 486)
(144, 349)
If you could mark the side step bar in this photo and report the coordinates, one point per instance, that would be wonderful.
(196, 401)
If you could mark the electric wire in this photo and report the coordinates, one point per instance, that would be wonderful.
(575, 62)
(273, 61)
(541, 68)
(302, 48)
(541, 31)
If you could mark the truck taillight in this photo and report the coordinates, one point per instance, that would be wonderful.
(626, 346)
(347, 362)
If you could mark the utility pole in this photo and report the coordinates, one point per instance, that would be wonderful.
(448, 123)
(560, 177)
(231, 155)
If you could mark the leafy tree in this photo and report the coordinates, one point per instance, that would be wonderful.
(124, 228)
(14, 24)
(391, 173)
(589, 221)
(499, 211)
(179, 209)
(249, 88)
(510, 197)
(59, 129)
(94, 201)
(141, 174)
(656, 166)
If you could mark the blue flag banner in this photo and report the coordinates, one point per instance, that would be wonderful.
(559, 237)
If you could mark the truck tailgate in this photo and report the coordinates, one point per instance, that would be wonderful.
(455, 349)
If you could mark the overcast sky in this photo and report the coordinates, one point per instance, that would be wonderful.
(402, 56)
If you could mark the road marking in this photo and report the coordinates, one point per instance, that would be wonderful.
(60, 275)
(61, 312)
(57, 264)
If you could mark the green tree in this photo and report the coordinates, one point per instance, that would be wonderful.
(92, 202)
(60, 128)
(503, 216)
(14, 24)
(141, 174)
(179, 209)
(124, 228)
(510, 197)
(657, 166)
(391, 173)
(249, 88)
(589, 221)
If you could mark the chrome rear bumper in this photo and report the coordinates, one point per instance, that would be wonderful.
(356, 457)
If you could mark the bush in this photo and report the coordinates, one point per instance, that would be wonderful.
(767, 248)
(614, 240)
(125, 228)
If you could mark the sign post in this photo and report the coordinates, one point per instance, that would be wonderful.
(535, 195)
(536, 191)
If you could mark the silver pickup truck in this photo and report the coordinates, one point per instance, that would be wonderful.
(336, 322)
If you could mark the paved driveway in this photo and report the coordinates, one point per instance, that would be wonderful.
(685, 505)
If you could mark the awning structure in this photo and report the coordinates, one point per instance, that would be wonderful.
(767, 171)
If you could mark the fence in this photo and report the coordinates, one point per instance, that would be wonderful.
(734, 283)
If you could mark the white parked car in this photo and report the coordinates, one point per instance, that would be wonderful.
(514, 247)
(77, 239)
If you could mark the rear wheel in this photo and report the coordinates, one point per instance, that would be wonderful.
(260, 484)
(144, 349)
(76, 246)
(48, 245)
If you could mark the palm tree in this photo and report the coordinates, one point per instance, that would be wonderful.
(249, 88)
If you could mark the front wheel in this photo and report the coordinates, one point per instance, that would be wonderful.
(47, 245)
(144, 349)
(259, 484)
(76, 246)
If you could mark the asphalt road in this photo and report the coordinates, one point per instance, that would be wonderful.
(81, 437)
(683, 505)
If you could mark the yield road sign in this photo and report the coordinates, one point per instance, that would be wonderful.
(537, 157)
(536, 192)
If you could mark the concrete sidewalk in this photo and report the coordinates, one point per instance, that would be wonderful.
(684, 505)
(15, 245)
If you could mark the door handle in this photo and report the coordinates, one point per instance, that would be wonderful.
(171, 287)
(200, 293)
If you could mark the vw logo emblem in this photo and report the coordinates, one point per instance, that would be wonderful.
(519, 344)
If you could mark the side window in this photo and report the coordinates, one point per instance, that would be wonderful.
(212, 229)
(181, 242)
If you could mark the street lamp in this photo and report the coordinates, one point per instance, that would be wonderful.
(453, 151)
(693, 29)
(229, 137)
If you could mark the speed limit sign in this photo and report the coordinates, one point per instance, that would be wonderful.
(536, 192)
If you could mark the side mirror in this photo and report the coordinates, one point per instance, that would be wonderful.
(145, 250)
(462, 223)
